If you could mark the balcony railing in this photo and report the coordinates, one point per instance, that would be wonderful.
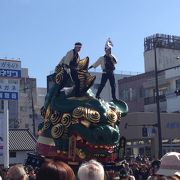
(152, 100)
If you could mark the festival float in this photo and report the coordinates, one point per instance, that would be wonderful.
(76, 129)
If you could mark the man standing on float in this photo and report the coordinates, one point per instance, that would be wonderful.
(70, 62)
(107, 63)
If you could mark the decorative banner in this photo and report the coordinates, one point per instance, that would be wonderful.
(72, 147)
(122, 147)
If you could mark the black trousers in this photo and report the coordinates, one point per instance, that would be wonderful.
(74, 75)
(104, 78)
(75, 79)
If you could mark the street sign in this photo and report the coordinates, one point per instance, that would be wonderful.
(9, 89)
(10, 68)
(8, 95)
(10, 72)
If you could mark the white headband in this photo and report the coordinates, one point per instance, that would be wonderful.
(78, 46)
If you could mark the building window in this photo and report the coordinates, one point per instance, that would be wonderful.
(178, 84)
(12, 154)
(163, 91)
(141, 92)
(131, 94)
(27, 126)
(1, 104)
(125, 94)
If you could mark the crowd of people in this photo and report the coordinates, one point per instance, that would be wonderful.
(168, 167)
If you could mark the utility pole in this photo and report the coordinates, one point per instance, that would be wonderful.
(33, 112)
(157, 101)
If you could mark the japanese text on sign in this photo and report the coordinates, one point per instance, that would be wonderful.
(10, 73)
(7, 64)
(8, 87)
(9, 95)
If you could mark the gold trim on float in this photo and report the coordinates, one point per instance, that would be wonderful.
(46, 141)
(48, 113)
(86, 123)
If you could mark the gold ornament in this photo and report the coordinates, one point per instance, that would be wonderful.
(66, 119)
(55, 118)
(112, 116)
(57, 131)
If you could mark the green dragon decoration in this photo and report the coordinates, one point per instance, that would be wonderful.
(79, 128)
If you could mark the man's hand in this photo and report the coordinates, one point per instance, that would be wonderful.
(68, 70)
(90, 67)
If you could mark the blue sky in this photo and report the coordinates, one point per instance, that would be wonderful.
(40, 32)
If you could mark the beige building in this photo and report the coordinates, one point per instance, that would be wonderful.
(30, 102)
(25, 112)
(27, 102)
(131, 127)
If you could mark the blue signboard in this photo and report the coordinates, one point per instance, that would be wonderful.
(10, 73)
(9, 95)
(9, 70)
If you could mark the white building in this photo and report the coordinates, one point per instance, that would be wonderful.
(21, 142)
(167, 51)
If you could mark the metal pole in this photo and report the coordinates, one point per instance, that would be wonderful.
(33, 113)
(6, 135)
(158, 107)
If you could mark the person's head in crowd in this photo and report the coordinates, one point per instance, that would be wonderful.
(155, 166)
(170, 165)
(91, 170)
(31, 173)
(16, 172)
(144, 167)
(56, 170)
(124, 174)
(3, 173)
(134, 165)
